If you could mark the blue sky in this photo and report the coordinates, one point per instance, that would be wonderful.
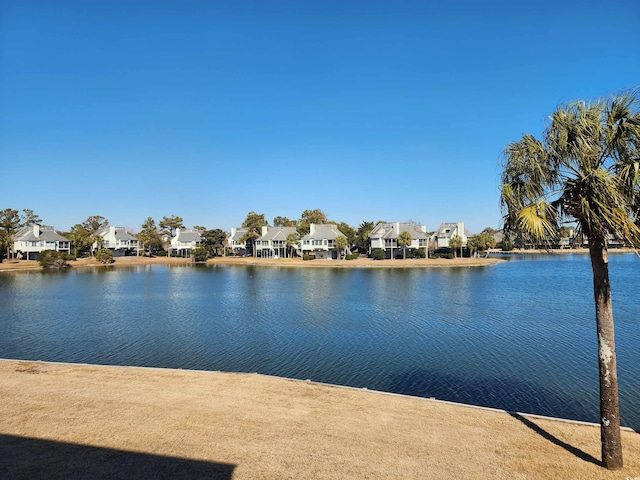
(367, 110)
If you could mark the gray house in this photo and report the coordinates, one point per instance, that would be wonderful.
(118, 240)
(448, 230)
(31, 240)
(233, 241)
(184, 241)
(384, 236)
(273, 242)
(320, 240)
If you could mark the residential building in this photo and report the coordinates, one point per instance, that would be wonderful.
(273, 242)
(320, 241)
(448, 230)
(233, 241)
(184, 241)
(33, 239)
(118, 240)
(384, 236)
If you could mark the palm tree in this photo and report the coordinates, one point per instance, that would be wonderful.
(404, 240)
(586, 169)
(291, 241)
(455, 242)
(341, 243)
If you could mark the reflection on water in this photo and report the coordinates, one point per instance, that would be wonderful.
(518, 336)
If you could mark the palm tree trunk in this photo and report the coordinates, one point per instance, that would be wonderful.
(609, 409)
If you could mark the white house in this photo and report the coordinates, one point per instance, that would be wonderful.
(233, 241)
(118, 240)
(184, 241)
(448, 230)
(31, 240)
(384, 236)
(273, 242)
(320, 240)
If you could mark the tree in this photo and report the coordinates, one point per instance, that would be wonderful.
(200, 229)
(29, 218)
(291, 241)
(341, 243)
(9, 226)
(168, 225)
(93, 225)
(79, 237)
(284, 222)
(348, 232)
(585, 169)
(455, 242)
(148, 234)
(214, 239)
(404, 240)
(362, 236)
(104, 255)
(52, 259)
(253, 225)
(308, 217)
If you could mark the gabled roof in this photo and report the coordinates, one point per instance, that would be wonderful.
(278, 233)
(387, 230)
(119, 232)
(328, 231)
(446, 230)
(45, 233)
(189, 236)
(235, 237)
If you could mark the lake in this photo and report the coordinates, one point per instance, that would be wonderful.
(519, 335)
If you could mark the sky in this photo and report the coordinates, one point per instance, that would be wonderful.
(369, 110)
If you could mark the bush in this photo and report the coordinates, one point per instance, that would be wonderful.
(448, 256)
(378, 254)
(69, 257)
(52, 259)
(199, 254)
(419, 253)
(104, 255)
(355, 255)
(351, 256)
(161, 253)
(307, 257)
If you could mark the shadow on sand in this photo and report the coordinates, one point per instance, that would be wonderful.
(555, 440)
(27, 458)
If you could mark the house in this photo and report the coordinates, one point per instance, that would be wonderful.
(233, 241)
(320, 240)
(33, 239)
(118, 240)
(384, 236)
(184, 241)
(273, 242)
(448, 230)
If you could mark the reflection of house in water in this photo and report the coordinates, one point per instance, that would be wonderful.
(33, 239)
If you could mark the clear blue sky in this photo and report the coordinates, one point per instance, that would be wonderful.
(371, 110)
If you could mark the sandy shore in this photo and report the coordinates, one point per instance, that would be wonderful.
(78, 421)
(15, 265)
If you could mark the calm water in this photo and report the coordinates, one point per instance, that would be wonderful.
(518, 336)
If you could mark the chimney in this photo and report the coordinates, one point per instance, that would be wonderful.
(396, 227)
(312, 229)
(36, 230)
(177, 232)
(265, 229)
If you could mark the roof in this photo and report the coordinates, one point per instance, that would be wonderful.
(386, 230)
(189, 236)
(119, 232)
(278, 233)
(235, 237)
(328, 231)
(45, 233)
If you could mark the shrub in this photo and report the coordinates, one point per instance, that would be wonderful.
(52, 259)
(161, 253)
(355, 255)
(435, 255)
(104, 255)
(419, 253)
(448, 256)
(378, 254)
(307, 257)
(69, 256)
(199, 254)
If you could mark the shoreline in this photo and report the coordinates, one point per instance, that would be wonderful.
(88, 421)
(32, 265)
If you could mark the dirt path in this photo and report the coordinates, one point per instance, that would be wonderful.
(73, 421)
